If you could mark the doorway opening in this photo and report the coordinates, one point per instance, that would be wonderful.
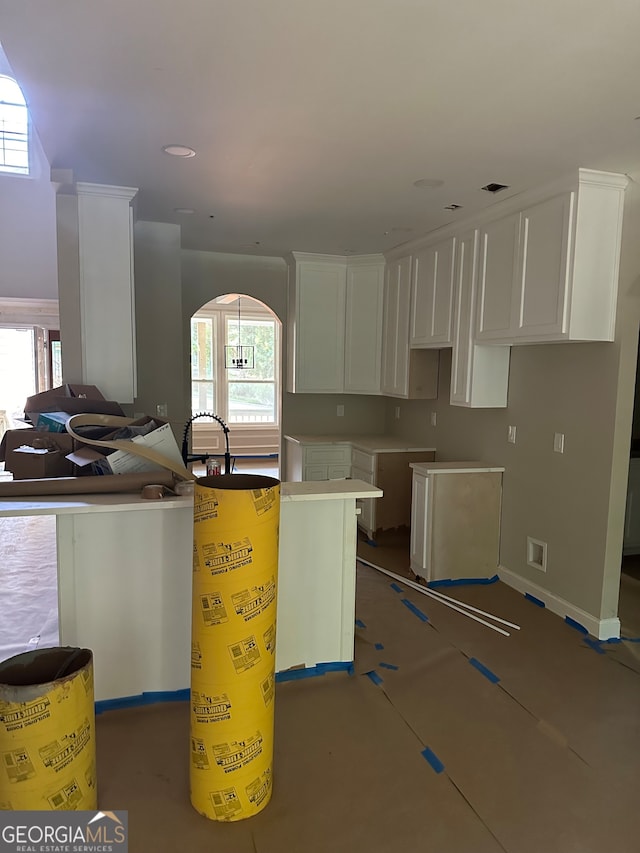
(248, 398)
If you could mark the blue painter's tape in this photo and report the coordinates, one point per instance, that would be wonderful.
(379, 646)
(493, 678)
(422, 616)
(314, 671)
(430, 756)
(573, 624)
(534, 600)
(360, 623)
(388, 665)
(631, 639)
(396, 588)
(373, 675)
(595, 645)
(463, 582)
(150, 698)
(371, 542)
(614, 640)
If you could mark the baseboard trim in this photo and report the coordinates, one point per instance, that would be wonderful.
(603, 629)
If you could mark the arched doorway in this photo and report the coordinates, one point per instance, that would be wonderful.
(245, 393)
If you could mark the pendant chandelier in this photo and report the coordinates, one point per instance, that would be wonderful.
(238, 357)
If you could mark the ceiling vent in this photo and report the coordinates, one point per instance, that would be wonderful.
(495, 188)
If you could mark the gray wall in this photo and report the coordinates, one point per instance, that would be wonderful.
(575, 501)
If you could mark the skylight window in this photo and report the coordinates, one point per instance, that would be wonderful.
(14, 128)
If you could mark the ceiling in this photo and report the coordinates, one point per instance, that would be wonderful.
(311, 121)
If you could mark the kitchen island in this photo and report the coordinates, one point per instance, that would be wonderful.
(124, 581)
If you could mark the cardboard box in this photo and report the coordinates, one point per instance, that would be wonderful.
(30, 463)
(48, 460)
(160, 438)
(71, 399)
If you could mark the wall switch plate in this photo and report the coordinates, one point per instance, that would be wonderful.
(162, 410)
(511, 435)
(433, 418)
(340, 411)
(558, 442)
(397, 412)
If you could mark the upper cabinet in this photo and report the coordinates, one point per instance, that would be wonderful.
(550, 271)
(479, 373)
(363, 325)
(334, 324)
(432, 295)
(406, 373)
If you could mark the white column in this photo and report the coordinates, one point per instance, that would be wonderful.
(96, 288)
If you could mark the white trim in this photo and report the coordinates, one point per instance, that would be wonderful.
(603, 629)
(29, 312)
(106, 190)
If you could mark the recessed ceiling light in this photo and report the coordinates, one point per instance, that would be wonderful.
(179, 151)
(428, 183)
(184, 210)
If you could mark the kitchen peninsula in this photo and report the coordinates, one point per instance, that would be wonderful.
(124, 581)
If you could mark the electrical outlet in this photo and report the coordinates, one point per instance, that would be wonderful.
(511, 435)
(397, 412)
(558, 442)
(340, 411)
(433, 418)
(162, 410)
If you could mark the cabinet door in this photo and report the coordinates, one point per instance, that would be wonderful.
(432, 295)
(395, 338)
(420, 526)
(496, 273)
(479, 374)
(320, 324)
(367, 506)
(363, 334)
(465, 299)
(543, 270)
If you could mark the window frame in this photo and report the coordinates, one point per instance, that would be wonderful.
(16, 171)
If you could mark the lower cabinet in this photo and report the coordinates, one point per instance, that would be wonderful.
(455, 520)
(390, 472)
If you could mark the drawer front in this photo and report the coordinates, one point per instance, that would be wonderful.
(339, 472)
(365, 461)
(315, 472)
(361, 474)
(328, 454)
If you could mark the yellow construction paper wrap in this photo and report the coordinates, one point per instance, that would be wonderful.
(47, 731)
(235, 576)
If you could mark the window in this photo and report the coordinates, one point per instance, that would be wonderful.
(251, 396)
(14, 128)
(237, 396)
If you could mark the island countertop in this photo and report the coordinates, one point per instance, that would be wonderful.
(80, 504)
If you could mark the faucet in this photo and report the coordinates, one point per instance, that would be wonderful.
(185, 440)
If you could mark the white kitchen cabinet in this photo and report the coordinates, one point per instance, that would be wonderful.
(455, 520)
(432, 295)
(316, 322)
(363, 325)
(406, 373)
(314, 460)
(334, 324)
(550, 272)
(496, 276)
(631, 541)
(479, 373)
